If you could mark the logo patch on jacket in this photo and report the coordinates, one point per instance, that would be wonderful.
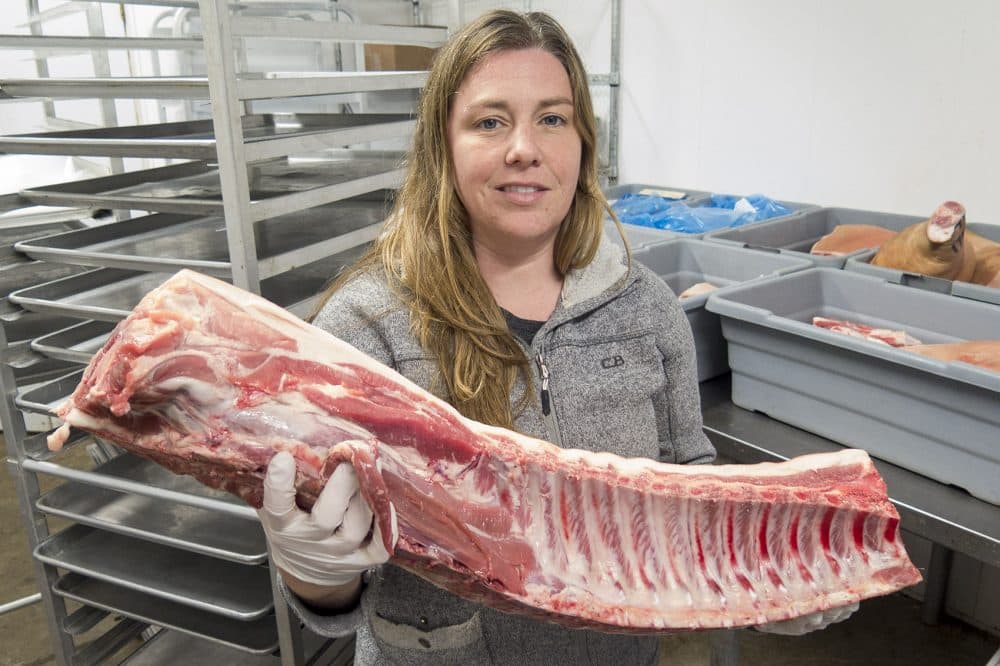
(612, 362)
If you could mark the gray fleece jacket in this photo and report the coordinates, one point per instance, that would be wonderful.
(621, 364)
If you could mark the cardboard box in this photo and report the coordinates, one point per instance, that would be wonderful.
(397, 57)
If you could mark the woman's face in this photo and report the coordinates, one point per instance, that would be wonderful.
(515, 148)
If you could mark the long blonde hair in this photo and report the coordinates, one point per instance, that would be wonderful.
(426, 250)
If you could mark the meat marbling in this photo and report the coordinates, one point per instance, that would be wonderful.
(211, 381)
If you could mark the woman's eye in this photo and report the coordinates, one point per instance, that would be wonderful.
(489, 123)
(552, 121)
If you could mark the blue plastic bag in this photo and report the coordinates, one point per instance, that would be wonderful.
(724, 210)
(659, 213)
(763, 207)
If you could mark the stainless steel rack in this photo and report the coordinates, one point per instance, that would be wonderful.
(276, 203)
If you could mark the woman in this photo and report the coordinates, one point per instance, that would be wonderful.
(492, 287)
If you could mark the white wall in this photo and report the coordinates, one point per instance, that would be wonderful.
(878, 104)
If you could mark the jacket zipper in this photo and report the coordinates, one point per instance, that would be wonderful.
(547, 412)
(543, 370)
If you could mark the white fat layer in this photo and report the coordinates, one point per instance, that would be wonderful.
(289, 416)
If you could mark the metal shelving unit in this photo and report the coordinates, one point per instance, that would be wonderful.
(274, 202)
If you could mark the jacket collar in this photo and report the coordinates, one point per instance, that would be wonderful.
(607, 271)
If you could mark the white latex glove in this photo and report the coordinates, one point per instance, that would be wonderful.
(803, 624)
(323, 547)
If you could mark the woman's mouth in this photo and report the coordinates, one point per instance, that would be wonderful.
(522, 194)
(521, 189)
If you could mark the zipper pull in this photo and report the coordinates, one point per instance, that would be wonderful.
(544, 371)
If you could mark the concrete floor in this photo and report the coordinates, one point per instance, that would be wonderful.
(884, 632)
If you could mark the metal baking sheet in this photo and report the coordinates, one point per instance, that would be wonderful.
(195, 187)
(274, 7)
(77, 342)
(24, 214)
(109, 294)
(141, 470)
(36, 445)
(149, 87)
(257, 636)
(21, 275)
(45, 397)
(10, 312)
(173, 647)
(31, 368)
(213, 585)
(251, 85)
(189, 528)
(10, 258)
(22, 330)
(195, 139)
(169, 242)
(14, 233)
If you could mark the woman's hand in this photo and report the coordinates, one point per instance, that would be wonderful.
(321, 554)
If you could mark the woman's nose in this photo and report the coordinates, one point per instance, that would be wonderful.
(523, 147)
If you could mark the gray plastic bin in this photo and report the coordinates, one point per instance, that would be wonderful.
(937, 418)
(639, 236)
(683, 263)
(674, 193)
(860, 264)
(796, 235)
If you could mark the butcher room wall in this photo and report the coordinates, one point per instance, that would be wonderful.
(882, 105)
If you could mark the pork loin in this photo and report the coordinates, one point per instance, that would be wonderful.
(211, 381)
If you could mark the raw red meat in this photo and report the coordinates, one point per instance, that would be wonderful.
(211, 381)
(886, 336)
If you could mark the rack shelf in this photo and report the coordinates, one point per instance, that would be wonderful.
(276, 187)
(186, 527)
(262, 85)
(110, 294)
(266, 136)
(256, 636)
(276, 203)
(167, 242)
(205, 583)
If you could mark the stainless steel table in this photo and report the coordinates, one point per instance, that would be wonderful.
(949, 517)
